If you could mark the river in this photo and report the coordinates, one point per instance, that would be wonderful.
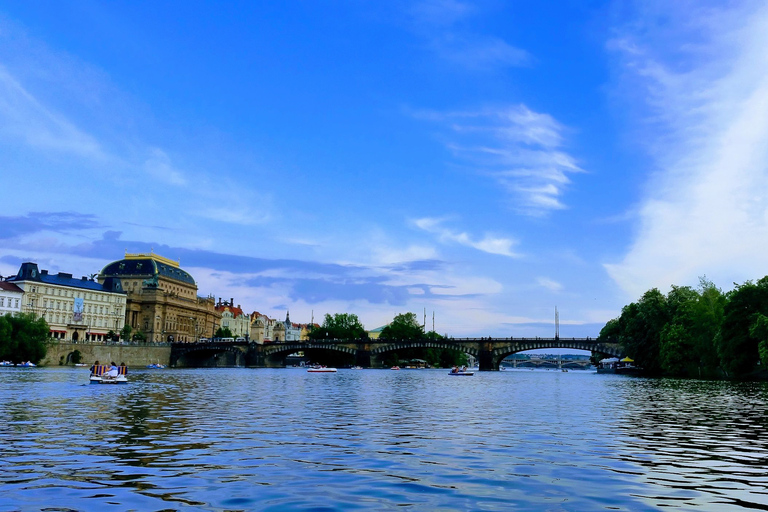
(283, 439)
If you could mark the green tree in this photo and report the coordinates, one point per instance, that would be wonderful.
(759, 331)
(125, 332)
(339, 326)
(23, 337)
(404, 326)
(139, 336)
(223, 332)
(737, 348)
(640, 326)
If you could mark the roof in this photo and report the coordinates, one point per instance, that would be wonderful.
(150, 266)
(64, 279)
(10, 287)
(378, 329)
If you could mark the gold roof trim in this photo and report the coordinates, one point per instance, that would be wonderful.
(151, 255)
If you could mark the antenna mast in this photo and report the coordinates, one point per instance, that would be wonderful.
(557, 324)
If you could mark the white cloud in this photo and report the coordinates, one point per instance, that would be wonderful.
(549, 284)
(489, 244)
(706, 209)
(519, 148)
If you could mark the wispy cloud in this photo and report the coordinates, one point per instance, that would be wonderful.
(706, 209)
(159, 167)
(519, 148)
(549, 284)
(26, 119)
(489, 244)
(440, 23)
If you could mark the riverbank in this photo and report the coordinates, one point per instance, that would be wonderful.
(61, 353)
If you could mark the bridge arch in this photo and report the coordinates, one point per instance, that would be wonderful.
(274, 355)
(208, 355)
(393, 346)
(500, 352)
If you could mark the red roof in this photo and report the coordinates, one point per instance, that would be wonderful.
(10, 287)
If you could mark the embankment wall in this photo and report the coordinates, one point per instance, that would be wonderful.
(131, 355)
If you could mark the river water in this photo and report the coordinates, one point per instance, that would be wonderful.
(260, 439)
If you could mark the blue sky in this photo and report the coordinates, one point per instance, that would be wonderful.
(486, 161)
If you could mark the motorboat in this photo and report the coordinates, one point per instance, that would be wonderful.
(321, 369)
(395, 368)
(28, 364)
(157, 366)
(100, 375)
(357, 367)
(460, 371)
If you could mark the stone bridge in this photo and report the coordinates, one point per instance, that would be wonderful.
(369, 353)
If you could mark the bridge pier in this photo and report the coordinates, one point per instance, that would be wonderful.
(363, 358)
(486, 361)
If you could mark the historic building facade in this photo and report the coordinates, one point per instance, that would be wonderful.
(76, 309)
(10, 298)
(162, 300)
(233, 318)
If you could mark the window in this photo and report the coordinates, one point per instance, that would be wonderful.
(2, 302)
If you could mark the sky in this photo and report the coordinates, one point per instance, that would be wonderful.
(482, 162)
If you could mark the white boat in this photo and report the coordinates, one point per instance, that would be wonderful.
(461, 373)
(100, 375)
(6, 363)
(357, 367)
(28, 364)
(157, 366)
(321, 369)
(395, 368)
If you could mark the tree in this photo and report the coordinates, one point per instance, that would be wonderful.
(759, 330)
(139, 336)
(223, 332)
(737, 348)
(23, 337)
(640, 326)
(125, 332)
(340, 326)
(404, 326)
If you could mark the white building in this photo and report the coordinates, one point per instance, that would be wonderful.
(11, 298)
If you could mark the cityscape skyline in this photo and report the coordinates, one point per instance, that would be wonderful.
(482, 161)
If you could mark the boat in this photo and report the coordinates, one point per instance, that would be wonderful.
(6, 363)
(157, 366)
(460, 371)
(395, 368)
(99, 375)
(321, 369)
(28, 364)
(357, 367)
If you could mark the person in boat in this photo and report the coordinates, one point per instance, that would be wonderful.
(93, 368)
(113, 370)
(126, 368)
(455, 369)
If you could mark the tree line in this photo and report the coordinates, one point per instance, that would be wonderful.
(23, 337)
(696, 332)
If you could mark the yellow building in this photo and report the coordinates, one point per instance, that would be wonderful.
(162, 300)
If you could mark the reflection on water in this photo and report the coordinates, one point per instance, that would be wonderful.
(245, 439)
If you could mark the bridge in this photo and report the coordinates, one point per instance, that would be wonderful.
(370, 353)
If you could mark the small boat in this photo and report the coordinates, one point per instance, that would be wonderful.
(321, 369)
(6, 363)
(28, 364)
(395, 368)
(157, 366)
(460, 371)
(357, 367)
(100, 375)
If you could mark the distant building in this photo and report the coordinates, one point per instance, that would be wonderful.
(162, 300)
(79, 310)
(262, 328)
(375, 333)
(232, 317)
(10, 298)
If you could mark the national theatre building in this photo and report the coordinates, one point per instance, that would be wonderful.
(162, 299)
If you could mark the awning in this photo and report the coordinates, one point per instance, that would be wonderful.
(627, 360)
